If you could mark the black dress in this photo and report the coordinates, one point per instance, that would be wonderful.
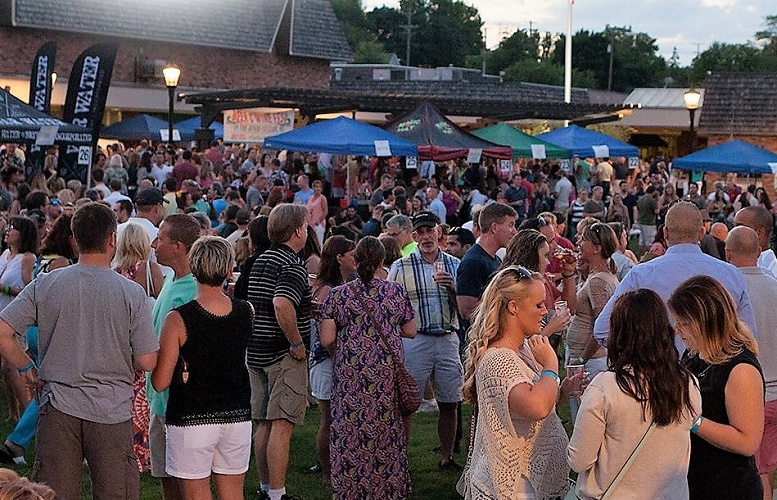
(714, 472)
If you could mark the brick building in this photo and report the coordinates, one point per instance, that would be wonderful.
(226, 44)
(742, 106)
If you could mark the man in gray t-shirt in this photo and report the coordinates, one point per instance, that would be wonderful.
(95, 330)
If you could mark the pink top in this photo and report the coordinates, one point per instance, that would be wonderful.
(316, 207)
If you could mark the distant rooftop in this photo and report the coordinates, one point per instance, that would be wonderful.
(311, 28)
(740, 104)
(659, 98)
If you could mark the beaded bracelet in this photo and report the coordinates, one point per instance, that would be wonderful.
(29, 366)
(697, 424)
(7, 290)
(551, 374)
(297, 344)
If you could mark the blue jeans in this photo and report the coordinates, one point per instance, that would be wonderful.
(25, 428)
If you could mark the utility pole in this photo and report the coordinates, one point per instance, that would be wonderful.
(409, 27)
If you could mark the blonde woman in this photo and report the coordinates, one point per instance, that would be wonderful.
(722, 355)
(133, 251)
(519, 446)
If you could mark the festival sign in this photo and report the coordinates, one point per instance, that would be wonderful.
(254, 124)
(87, 91)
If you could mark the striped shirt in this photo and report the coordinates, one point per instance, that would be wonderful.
(278, 272)
(434, 305)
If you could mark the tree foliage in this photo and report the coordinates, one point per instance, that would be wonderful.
(448, 32)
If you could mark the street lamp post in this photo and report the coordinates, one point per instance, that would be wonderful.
(171, 74)
(692, 98)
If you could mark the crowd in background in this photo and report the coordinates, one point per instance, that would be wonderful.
(477, 278)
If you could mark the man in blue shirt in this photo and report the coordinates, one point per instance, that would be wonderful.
(684, 259)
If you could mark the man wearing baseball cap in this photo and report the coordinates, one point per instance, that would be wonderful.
(429, 276)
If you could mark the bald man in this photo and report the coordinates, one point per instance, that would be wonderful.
(683, 259)
(760, 220)
(742, 250)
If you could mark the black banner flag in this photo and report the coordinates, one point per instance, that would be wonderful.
(87, 91)
(41, 85)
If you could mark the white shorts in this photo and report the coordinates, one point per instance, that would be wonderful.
(193, 452)
(321, 380)
(426, 355)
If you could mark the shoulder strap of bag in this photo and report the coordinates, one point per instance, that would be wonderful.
(374, 321)
(149, 281)
(608, 492)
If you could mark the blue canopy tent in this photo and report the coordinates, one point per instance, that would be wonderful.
(189, 125)
(342, 136)
(140, 127)
(731, 157)
(581, 142)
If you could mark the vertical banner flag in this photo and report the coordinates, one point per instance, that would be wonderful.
(40, 77)
(41, 88)
(87, 91)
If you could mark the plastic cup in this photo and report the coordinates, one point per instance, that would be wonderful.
(560, 306)
(572, 371)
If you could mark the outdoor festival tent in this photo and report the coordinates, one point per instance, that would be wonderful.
(731, 157)
(140, 127)
(521, 143)
(189, 125)
(342, 135)
(20, 123)
(581, 142)
(439, 138)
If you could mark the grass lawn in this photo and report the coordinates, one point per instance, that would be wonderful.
(428, 481)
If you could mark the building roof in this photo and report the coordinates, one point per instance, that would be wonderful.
(452, 98)
(663, 118)
(483, 90)
(659, 98)
(740, 104)
(252, 25)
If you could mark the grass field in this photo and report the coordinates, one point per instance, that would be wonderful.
(428, 481)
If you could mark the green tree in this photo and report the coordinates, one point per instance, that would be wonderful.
(353, 20)
(520, 46)
(725, 57)
(452, 32)
(385, 24)
(547, 72)
(636, 62)
(769, 35)
(370, 53)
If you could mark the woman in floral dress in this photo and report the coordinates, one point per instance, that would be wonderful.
(368, 440)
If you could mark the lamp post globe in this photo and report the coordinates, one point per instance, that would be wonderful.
(171, 74)
(692, 97)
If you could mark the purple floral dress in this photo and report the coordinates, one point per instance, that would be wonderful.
(368, 445)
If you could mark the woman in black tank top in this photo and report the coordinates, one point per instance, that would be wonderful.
(202, 361)
(722, 355)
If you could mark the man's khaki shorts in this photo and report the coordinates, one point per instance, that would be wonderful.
(280, 391)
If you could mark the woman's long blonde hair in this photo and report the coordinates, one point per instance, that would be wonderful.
(133, 246)
(710, 311)
(489, 323)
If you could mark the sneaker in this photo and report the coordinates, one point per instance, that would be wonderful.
(428, 406)
(450, 466)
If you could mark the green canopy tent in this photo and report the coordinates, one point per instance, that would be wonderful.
(505, 135)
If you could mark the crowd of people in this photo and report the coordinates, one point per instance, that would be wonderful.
(180, 314)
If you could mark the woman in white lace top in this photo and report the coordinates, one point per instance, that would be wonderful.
(519, 445)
